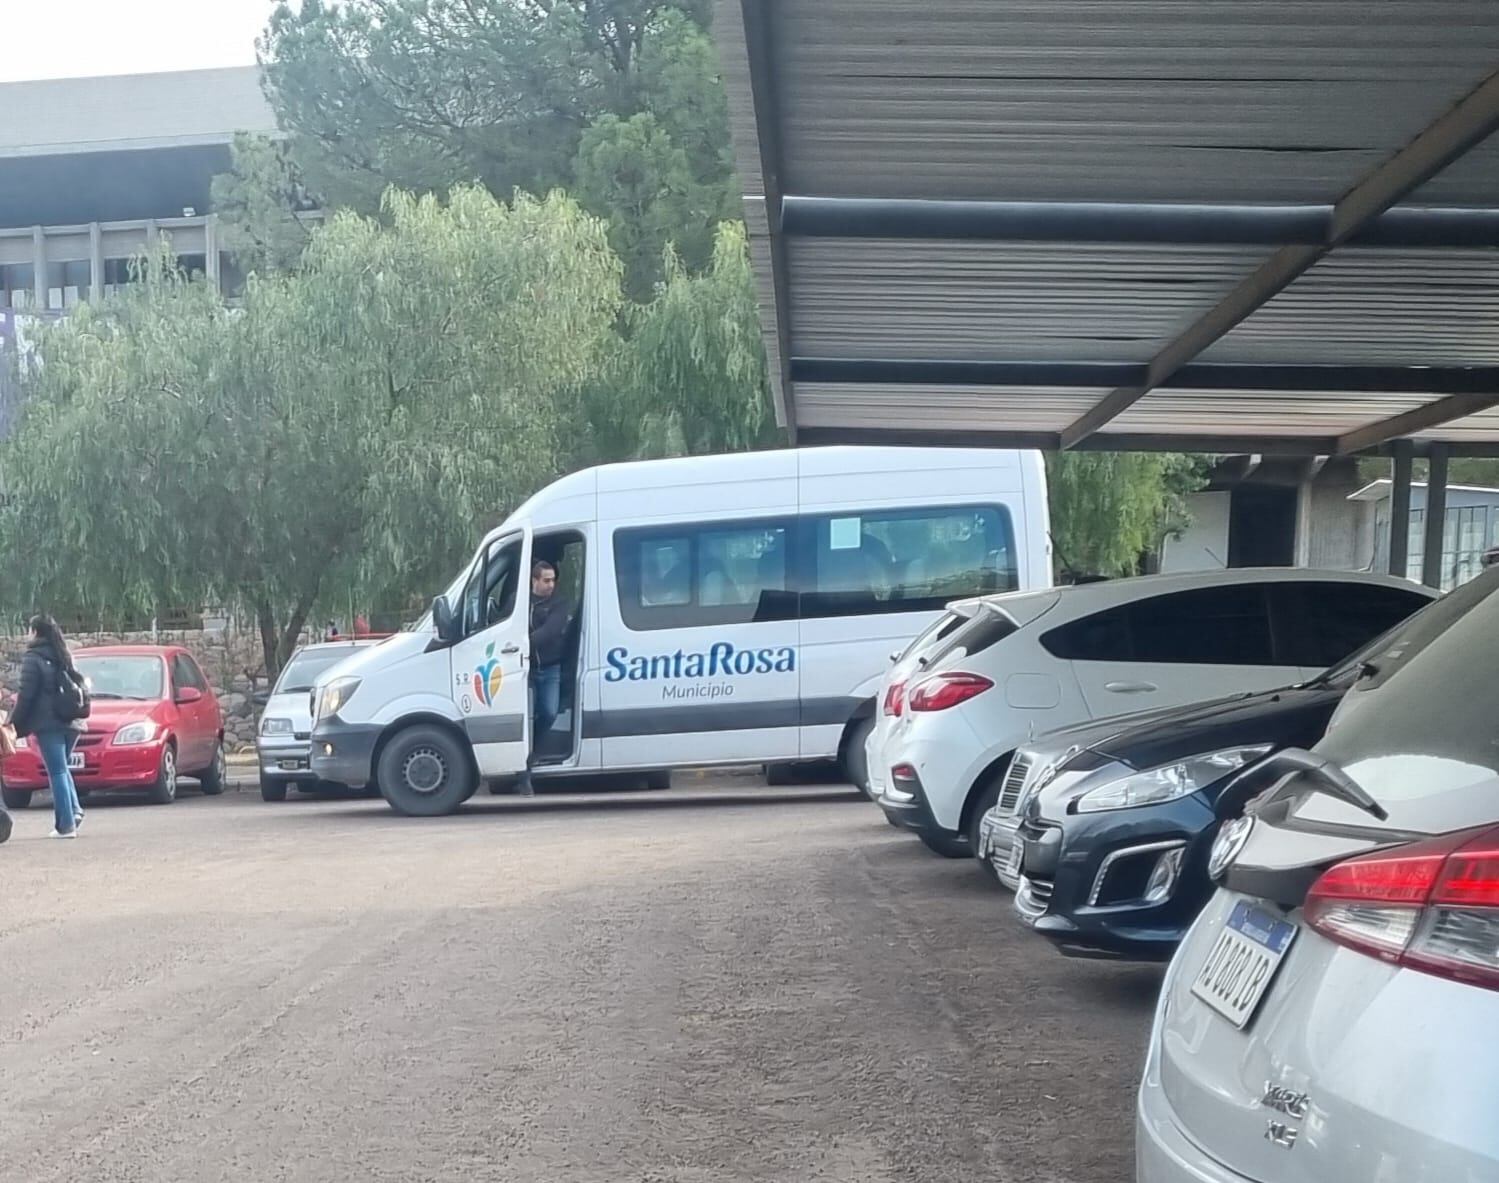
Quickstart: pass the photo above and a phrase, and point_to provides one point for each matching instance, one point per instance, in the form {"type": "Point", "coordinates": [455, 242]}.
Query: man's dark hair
{"type": "Point", "coordinates": [542, 565]}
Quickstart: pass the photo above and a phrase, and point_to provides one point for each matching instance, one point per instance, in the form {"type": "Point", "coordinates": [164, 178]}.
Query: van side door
{"type": "Point", "coordinates": [491, 659]}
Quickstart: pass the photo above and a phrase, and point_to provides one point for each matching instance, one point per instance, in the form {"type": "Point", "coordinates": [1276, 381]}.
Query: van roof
{"type": "Point", "coordinates": [787, 462]}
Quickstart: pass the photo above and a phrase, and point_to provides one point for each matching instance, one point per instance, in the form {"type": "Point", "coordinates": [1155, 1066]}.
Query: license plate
{"type": "Point", "coordinates": [291, 765]}
{"type": "Point", "coordinates": [75, 760]}
{"type": "Point", "coordinates": [1244, 959]}
{"type": "Point", "coordinates": [1017, 856]}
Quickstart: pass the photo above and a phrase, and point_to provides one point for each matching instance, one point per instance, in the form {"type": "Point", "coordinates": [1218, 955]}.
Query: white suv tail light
{"type": "Point", "coordinates": [941, 691]}
{"type": "Point", "coordinates": [1432, 906]}
{"type": "Point", "coordinates": [895, 698]}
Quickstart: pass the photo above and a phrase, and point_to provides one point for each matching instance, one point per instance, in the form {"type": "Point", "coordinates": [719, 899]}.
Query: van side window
{"type": "Point", "coordinates": [870, 562]}
{"type": "Point", "coordinates": [715, 573]}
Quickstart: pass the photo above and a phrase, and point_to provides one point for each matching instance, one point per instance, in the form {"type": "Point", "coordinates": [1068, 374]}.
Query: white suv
{"type": "Point", "coordinates": [1030, 662]}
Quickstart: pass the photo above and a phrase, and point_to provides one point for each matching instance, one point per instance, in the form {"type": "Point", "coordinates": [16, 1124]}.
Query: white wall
{"type": "Point", "coordinates": [1203, 546]}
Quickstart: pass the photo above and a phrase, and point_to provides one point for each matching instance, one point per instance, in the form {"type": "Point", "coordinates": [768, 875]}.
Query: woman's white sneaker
{"type": "Point", "coordinates": [60, 834]}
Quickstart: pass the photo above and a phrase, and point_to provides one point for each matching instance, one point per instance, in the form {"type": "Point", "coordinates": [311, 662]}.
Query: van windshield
{"type": "Point", "coordinates": [1418, 732]}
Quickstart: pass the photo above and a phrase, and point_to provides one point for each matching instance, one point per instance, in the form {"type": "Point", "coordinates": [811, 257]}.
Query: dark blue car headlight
{"type": "Point", "coordinates": [1169, 781]}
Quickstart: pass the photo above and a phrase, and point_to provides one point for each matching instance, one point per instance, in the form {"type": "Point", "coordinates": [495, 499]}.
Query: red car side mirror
{"type": "Point", "coordinates": [188, 695]}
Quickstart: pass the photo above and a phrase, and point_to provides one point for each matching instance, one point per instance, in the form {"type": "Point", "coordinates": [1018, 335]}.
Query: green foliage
{"type": "Point", "coordinates": [1110, 508]}
{"type": "Point", "coordinates": [266, 215]}
{"type": "Point", "coordinates": [346, 427]}
{"type": "Point", "coordinates": [619, 101]}
{"type": "Point", "coordinates": [690, 378]}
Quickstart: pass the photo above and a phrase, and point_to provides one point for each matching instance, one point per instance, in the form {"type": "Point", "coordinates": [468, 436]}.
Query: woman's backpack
{"type": "Point", "coordinates": [72, 695]}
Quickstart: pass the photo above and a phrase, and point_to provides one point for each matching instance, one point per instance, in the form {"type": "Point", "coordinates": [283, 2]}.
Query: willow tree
{"type": "Point", "coordinates": [692, 376]}
{"type": "Point", "coordinates": [345, 427]}
{"type": "Point", "coordinates": [1109, 509]}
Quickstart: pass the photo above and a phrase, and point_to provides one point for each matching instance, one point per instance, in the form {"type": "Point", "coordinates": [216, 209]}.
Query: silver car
{"type": "Point", "coordinates": [283, 742]}
{"type": "Point", "coordinates": [1331, 1015]}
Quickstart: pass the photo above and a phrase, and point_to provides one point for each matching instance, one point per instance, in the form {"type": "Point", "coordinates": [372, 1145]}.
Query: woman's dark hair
{"type": "Point", "coordinates": [46, 628]}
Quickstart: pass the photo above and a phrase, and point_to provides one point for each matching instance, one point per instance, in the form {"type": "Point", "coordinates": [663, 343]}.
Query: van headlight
{"type": "Point", "coordinates": [273, 726]}
{"type": "Point", "coordinates": [1169, 781]}
{"type": "Point", "coordinates": [335, 696]}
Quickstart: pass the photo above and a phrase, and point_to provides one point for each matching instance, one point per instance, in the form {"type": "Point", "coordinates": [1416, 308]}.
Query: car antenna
{"type": "Point", "coordinates": [1072, 572]}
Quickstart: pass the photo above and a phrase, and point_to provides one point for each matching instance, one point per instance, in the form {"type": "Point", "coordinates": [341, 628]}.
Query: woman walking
{"type": "Point", "coordinates": [41, 715]}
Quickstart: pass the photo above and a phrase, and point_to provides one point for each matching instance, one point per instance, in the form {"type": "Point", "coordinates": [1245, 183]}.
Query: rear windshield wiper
{"type": "Point", "coordinates": [1324, 775]}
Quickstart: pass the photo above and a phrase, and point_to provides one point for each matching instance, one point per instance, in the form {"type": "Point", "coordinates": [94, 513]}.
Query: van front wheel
{"type": "Point", "coordinates": [424, 772]}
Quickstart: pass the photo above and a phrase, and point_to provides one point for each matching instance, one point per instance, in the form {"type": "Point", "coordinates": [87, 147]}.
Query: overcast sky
{"type": "Point", "coordinates": [80, 38]}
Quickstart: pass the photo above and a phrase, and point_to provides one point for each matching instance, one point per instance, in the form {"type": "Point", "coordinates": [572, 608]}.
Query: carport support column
{"type": "Point", "coordinates": [1400, 510]}
{"type": "Point", "coordinates": [1436, 516]}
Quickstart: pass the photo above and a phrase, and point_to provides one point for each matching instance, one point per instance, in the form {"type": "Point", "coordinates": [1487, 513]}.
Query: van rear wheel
{"type": "Point", "coordinates": [424, 772]}
{"type": "Point", "coordinates": [855, 760]}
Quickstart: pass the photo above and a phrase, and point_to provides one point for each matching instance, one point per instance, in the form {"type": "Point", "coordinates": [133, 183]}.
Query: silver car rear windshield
{"type": "Point", "coordinates": [1421, 731]}
{"type": "Point", "coordinates": [989, 626]}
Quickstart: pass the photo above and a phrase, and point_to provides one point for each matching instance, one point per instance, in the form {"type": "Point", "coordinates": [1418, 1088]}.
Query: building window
{"type": "Point", "coordinates": [117, 273]}
{"type": "Point", "coordinates": [17, 285]}
{"type": "Point", "coordinates": [67, 283]}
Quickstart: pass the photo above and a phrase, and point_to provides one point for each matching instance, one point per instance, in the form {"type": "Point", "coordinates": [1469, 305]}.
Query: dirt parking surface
{"type": "Point", "coordinates": [723, 982]}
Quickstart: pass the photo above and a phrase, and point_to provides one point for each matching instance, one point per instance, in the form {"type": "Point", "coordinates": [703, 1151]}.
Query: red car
{"type": "Point", "coordinates": [154, 716]}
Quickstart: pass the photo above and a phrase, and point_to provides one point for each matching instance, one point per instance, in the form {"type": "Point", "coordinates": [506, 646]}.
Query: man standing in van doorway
{"type": "Point", "coordinates": [549, 621]}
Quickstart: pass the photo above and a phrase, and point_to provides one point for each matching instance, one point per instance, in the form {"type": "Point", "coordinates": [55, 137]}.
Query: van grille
{"type": "Point", "coordinates": [1009, 792]}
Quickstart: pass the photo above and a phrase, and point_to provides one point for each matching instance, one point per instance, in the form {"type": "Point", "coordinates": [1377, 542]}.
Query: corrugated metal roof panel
{"type": "Point", "coordinates": [1259, 413]}
{"type": "Point", "coordinates": [1367, 307]}
{"type": "Point", "coordinates": [1115, 100]}
{"type": "Point", "coordinates": [881, 298]}
{"type": "Point", "coordinates": [940, 408]}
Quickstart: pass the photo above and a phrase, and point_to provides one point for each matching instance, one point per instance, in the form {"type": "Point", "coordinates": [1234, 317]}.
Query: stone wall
{"type": "Point", "coordinates": [231, 658]}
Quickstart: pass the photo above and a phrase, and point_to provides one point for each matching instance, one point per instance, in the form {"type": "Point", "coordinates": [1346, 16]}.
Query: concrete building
{"type": "Point", "coordinates": [1269, 511]}
{"type": "Point", "coordinates": [93, 170]}
{"type": "Point", "coordinates": [1470, 526]}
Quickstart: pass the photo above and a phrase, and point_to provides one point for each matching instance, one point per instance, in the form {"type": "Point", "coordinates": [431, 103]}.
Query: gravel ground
{"type": "Point", "coordinates": [722, 982]}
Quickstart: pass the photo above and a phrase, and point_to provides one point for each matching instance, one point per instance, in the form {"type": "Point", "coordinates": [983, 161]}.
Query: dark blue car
{"type": "Point", "coordinates": [1115, 840]}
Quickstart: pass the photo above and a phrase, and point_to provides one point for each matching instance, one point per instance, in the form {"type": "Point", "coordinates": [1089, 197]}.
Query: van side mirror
{"type": "Point", "coordinates": [261, 698]}
{"type": "Point", "coordinates": [444, 621]}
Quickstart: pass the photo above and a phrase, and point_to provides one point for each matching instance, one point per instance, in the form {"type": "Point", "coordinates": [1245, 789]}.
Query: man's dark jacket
{"type": "Point", "coordinates": [549, 622]}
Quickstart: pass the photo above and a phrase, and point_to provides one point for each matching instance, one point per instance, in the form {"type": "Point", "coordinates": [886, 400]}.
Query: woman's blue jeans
{"type": "Point", "coordinates": [55, 748]}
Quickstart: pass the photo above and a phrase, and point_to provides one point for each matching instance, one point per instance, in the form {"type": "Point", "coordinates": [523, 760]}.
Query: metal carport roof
{"type": "Point", "coordinates": [1249, 225]}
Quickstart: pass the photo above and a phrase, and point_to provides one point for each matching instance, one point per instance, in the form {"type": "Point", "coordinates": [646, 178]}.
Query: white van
{"type": "Point", "coordinates": [727, 610]}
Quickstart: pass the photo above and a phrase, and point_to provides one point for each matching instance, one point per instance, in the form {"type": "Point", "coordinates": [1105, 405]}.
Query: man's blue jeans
{"type": "Point", "coordinates": [546, 699]}
{"type": "Point", "coordinates": [55, 747]}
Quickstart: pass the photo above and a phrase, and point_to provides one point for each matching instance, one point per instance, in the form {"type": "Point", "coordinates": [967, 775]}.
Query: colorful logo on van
{"type": "Point", "coordinates": [488, 678]}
